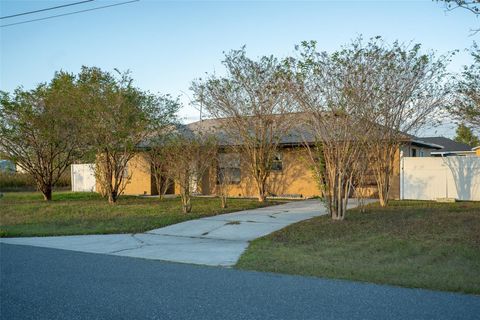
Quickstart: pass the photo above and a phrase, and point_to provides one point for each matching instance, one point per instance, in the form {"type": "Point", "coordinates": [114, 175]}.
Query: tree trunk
{"type": "Point", "coordinates": [158, 184]}
{"type": "Point", "coordinates": [383, 190]}
{"type": "Point", "coordinates": [261, 192]}
{"type": "Point", "coordinates": [112, 197]}
{"type": "Point", "coordinates": [224, 201]}
{"type": "Point", "coordinates": [47, 193]}
{"type": "Point", "coordinates": [166, 185]}
{"type": "Point", "coordinates": [381, 197]}
{"type": "Point", "coordinates": [186, 203]}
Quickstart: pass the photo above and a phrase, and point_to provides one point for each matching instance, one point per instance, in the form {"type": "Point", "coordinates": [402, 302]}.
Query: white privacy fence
{"type": "Point", "coordinates": [83, 177]}
{"type": "Point", "coordinates": [430, 178]}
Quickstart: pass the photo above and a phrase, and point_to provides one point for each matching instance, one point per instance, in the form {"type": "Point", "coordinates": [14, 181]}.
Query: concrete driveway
{"type": "Point", "coordinates": [216, 241]}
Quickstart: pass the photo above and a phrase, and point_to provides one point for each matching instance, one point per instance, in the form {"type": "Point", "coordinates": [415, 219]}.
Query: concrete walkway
{"type": "Point", "coordinates": [215, 241]}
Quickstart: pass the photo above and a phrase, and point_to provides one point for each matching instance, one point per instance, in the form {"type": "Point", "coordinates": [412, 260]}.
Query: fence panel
{"type": "Point", "coordinates": [83, 177]}
{"type": "Point", "coordinates": [430, 178]}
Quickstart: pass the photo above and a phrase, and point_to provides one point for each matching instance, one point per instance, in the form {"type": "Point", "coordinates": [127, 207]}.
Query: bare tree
{"type": "Point", "coordinates": [187, 157]}
{"type": "Point", "coordinates": [376, 94]}
{"type": "Point", "coordinates": [372, 94]}
{"type": "Point", "coordinates": [121, 118]}
{"type": "Point", "coordinates": [156, 157]}
{"type": "Point", "coordinates": [471, 5]}
{"type": "Point", "coordinates": [253, 108]}
{"type": "Point", "coordinates": [155, 152]}
{"type": "Point", "coordinates": [41, 129]}
{"type": "Point", "coordinates": [323, 85]}
{"type": "Point", "coordinates": [406, 88]}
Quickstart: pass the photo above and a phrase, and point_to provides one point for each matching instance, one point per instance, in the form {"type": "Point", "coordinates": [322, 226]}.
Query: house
{"type": "Point", "coordinates": [291, 173]}
{"type": "Point", "coordinates": [477, 151]}
{"type": "Point", "coordinates": [449, 147]}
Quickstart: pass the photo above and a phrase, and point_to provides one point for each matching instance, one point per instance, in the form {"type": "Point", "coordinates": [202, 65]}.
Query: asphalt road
{"type": "Point", "coordinates": [41, 283]}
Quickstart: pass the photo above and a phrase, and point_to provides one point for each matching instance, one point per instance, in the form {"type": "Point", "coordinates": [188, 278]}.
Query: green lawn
{"type": "Point", "coordinates": [26, 214]}
{"type": "Point", "coordinates": [411, 243]}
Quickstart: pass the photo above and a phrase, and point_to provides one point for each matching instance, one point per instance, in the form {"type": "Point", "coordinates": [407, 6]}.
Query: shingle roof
{"type": "Point", "coordinates": [448, 145]}
{"type": "Point", "coordinates": [297, 135]}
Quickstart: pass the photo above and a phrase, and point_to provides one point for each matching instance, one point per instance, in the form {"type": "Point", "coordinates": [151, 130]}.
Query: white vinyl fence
{"type": "Point", "coordinates": [83, 177]}
{"type": "Point", "coordinates": [430, 178]}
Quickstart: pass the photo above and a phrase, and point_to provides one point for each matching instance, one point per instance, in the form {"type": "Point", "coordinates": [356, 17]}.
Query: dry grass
{"type": "Point", "coordinates": [411, 243]}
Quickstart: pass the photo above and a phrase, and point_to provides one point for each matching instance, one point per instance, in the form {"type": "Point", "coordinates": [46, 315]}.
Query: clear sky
{"type": "Point", "coordinates": [166, 44]}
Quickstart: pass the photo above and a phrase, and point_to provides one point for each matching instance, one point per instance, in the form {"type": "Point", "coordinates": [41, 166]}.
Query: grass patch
{"type": "Point", "coordinates": [417, 244]}
{"type": "Point", "coordinates": [18, 181]}
{"type": "Point", "coordinates": [26, 214]}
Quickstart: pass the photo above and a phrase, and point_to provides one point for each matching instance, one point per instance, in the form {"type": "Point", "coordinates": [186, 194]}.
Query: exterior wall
{"type": "Point", "coordinates": [408, 151]}
{"type": "Point", "coordinates": [295, 178]}
{"type": "Point", "coordinates": [141, 179]}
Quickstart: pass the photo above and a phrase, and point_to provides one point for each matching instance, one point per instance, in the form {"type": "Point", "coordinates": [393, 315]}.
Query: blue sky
{"type": "Point", "coordinates": [166, 44]}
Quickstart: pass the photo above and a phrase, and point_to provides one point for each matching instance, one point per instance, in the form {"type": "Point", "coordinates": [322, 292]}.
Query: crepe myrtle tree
{"type": "Point", "coordinates": [253, 108]}
{"type": "Point", "coordinates": [407, 89]}
{"type": "Point", "coordinates": [321, 84]}
{"type": "Point", "coordinates": [392, 89]}
{"type": "Point", "coordinates": [188, 155]}
{"type": "Point", "coordinates": [156, 157]}
{"type": "Point", "coordinates": [121, 116]}
{"type": "Point", "coordinates": [154, 150]}
{"type": "Point", "coordinates": [41, 129]}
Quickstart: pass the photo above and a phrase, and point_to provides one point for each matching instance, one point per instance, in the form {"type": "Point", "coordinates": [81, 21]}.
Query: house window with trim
{"type": "Point", "coordinates": [277, 163]}
{"type": "Point", "coordinates": [228, 170]}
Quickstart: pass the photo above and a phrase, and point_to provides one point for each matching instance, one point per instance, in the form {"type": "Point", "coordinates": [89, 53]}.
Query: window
{"type": "Point", "coordinates": [228, 171]}
{"type": "Point", "coordinates": [277, 164]}
{"type": "Point", "coordinates": [228, 175]}
{"type": "Point", "coordinates": [414, 152]}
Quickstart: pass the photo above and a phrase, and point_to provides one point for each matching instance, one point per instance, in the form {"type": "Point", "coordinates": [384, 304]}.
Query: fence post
{"type": "Point", "coordinates": [401, 175]}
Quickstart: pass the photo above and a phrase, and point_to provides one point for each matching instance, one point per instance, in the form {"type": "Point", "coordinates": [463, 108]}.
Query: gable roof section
{"type": "Point", "coordinates": [448, 145]}
{"type": "Point", "coordinates": [297, 135]}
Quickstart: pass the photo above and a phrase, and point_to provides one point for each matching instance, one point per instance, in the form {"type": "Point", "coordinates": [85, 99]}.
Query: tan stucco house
{"type": "Point", "coordinates": [291, 174]}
